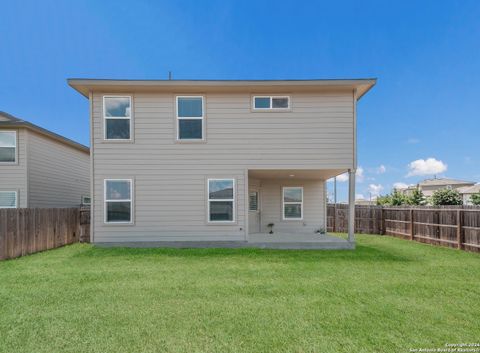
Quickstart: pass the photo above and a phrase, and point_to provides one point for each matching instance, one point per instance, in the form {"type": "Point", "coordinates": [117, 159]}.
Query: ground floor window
{"type": "Point", "coordinates": [292, 203]}
{"type": "Point", "coordinates": [221, 200]}
{"type": "Point", "coordinates": [118, 201]}
{"type": "Point", "coordinates": [8, 199]}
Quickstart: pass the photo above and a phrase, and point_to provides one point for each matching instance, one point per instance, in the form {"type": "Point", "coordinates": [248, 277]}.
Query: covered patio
{"type": "Point", "coordinates": [298, 241]}
{"type": "Point", "coordinates": [286, 209]}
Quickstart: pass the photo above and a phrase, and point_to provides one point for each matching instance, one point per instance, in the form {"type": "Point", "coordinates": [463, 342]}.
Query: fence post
{"type": "Point", "coordinates": [412, 233]}
{"type": "Point", "coordinates": [459, 229]}
{"type": "Point", "coordinates": [382, 222]}
{"type": "Point", "coordinates": [334, 217]}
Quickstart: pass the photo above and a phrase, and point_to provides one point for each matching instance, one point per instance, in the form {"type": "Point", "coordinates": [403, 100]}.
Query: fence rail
{"type": "Point", "coordinates": [453, 226]}
{"type": "Point", "coordinates": [26, 231]}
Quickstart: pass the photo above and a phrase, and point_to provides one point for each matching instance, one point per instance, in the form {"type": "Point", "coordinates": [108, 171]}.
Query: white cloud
{"type": "Point", "coordinates": [413, 141]}
{"type": "Point", "coordinates": [427, 166]}
{"type": "Point", "coordinates": [381, 169]}
{"type": "Point", "coordinates": [375, 189]}
{"type": "Point", "coordinates": [400, 185]}
{"type": "Point", "coordinates": [359, 175]}
{"type": "Point", "coordinates": [344, 177]}
{"type": "Point", "coordinates": [359, 197]}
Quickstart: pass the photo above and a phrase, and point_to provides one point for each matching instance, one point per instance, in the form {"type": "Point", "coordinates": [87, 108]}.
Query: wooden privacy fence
{"type": "Point", "coordinates": [26, 231]}
{"type": "Point", "coordinates": [453, 226]}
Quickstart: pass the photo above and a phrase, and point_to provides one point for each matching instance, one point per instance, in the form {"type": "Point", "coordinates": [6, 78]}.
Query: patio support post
{"type": "Point", "coordinates": [351, 205]}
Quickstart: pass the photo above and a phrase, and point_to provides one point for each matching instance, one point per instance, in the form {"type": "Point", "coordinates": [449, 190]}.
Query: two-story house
{"type": "Point", "coordinates": [219, 163]}
{"type": "Point", "coordinates": [39, 168]}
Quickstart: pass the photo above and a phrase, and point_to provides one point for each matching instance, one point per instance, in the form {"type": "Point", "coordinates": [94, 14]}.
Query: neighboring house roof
{"type": "Point", "coordinates": [10, 121]}
{"type": "Point", "coordinates": [444, 182]}
{"type": "Point", "coordinates": [84, 86]}
{"type": "Point", "coordinates": [469, 189]}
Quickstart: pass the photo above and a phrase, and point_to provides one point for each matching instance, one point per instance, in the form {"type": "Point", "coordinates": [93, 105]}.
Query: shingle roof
{"type": "Point", "coordinates": [470, 189]}
{"type": "Point", "coordinates": [444, 181]}
{"type": "Point", "coordinates": [10, 121]}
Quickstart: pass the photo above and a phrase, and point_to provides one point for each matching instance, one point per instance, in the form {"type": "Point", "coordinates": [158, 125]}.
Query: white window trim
{"type": "Point", "coordinates": [291, 203]}
{"type": "Point", "coordinates": [178, 118]}
{"type": "Point", "coordinates": [271, 103]}
{"type": "Point", "coordinates": [105, 118]}
{"type": "Point", "coordinates": [105, 201]}
{"type": "Point", "coordinates": [16, 146]}
{"type": "Point", "coordinates": [220, 200]}
{"type": "Point", "coordinates": [16, 198]}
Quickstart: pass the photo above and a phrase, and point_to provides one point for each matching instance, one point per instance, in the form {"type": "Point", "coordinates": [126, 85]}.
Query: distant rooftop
{"type": "Point", "coordinates": [470, 189]}
{"type": "Point", "coordinates": [10, 121]}
{"type": "Point", "coordinates": [444, 181]}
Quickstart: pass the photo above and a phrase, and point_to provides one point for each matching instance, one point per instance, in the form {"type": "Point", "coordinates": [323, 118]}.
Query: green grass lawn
{"type": "Point", "coordinates": [389, 295]}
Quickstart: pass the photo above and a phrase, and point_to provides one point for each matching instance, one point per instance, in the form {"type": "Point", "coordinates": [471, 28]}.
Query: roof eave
{"type": "Point", "coordinates": [85, 86]}
{"type": "Point", "coordinates": [27, 125]}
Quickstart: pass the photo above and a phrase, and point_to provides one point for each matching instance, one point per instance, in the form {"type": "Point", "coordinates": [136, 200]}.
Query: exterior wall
{"type": "Point", "coordinates": [467, 199]}
{"type": "Point", "coordinates": [170, 177]}
{"type": "Point", "coordinates": [13, 177]}
{"type": "Point", "coordinates": [271, 206]}
{"type": "Point", "coordinates": [429, 190]}
{"type": "Point", "coordinates": [58, 175]}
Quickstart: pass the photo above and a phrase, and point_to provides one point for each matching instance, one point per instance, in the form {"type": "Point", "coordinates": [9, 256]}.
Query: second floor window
{"type": "Point", "coordinates": [271, 103]}
{"type": "Point", "coordinates": [8, 146]}
{"type": "Point", "coordinates": [117, 117]}
{"type": "Point", "coordinates": [190, 118]}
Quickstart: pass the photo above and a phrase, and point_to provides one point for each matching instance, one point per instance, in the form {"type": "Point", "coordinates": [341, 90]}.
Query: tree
{"type": "Point", "coordinates": [398, 198]}
{"type": "Point", "coordinates": [446, 197]}
{"type": "Point", "coordinates": [417, 198]}
{"type": "Point", "coordinates": [475, 198]}
{"type": "Point", "coordinates": [384, 200]}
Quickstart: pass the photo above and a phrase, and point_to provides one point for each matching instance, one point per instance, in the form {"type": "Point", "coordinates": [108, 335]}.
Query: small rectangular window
{"type": "Point", "coordinates": [117, 117]}
{"type": "Point", "coordinates": [190, 117]}
{"type": "Point", "coordinates": [292, 203]}
{"type": "Point", "coordinates": [8, 146]}
{"type": "Point", "coordinates": [86, 200]}
{"type": "Point", "coordinates": [271, 102]}
{"type": "Point", "coordinates": [8, 199]}
{"type": "Point", "coordinates": [280, 103]}
{"type": "Point", "coordinates": [221, 200]}
{"type": "Point", "coordinates": [253, 201]}
{"type": "Point", "coordinates": [118, 201]}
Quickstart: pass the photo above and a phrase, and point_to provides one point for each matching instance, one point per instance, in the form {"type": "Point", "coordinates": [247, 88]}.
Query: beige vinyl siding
{"type": "Point", "coordinates": [58, 174]}
{"type": "Point", "coordinates": [313, 206]}
{"type": "Point", "coordinates": [170, 178]}
{"type": "Point", "coordinates": [13, 177]}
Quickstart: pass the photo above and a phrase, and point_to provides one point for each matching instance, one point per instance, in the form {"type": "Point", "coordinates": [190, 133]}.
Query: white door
{"type": "Point", "coordinates": [254, 211]}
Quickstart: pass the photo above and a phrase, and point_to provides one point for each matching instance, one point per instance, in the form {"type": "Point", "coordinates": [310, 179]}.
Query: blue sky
{"type": "Point", "coordinates": [425, 54]}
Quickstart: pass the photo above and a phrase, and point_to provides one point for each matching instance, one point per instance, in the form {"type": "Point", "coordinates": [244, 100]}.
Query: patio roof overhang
{"type": "Point", "coordinates": [306, 174]}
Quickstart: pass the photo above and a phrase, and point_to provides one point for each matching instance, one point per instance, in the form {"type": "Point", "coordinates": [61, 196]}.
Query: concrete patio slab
{"type": "Point", "coordinates": [258, 240]}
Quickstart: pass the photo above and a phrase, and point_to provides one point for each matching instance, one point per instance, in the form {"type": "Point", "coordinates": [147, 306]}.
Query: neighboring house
{"type": "Point", "coordinates": [217, 161]}
{"type": "Point", "coordinates": [467, 192]}
{"type": "Point", "coordinates": [39, 168]}
{"type": "Point", "coordinates": [429, 186]}
{"type": "Point", "coordinates": [364, 202]}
